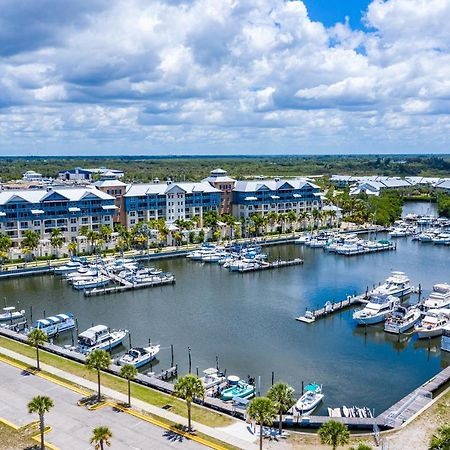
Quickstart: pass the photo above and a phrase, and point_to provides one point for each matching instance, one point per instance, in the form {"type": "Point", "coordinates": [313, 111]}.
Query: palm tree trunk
{"type": "Point", "coordinates": [37, 358]}
{"type": "Point", "coordinates": [260, 435]}
{"type": "Point", "coordinates": [280, 424]}
{"type": "Point", "coordinates": [189, 415]}
{"type": "Point", "coordinates": [41, 429]}
{"type": "Point", "coordinates": [98, 383]}
{"type": "Point", "coordinates": [129, 393]}
{"type": "Point", "coordinates": [101, 444]}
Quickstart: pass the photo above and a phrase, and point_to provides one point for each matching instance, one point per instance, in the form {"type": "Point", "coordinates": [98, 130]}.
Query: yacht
{"type": "Point", "coordinates": [433, 323]}
{"type": "Point", "coordinates": [240, 389]}
{"type": "Point", "coordinates": [54, 325]}
{"type": "Point", "coordinates": [310, 400]}
{"type": "Point", "coordinates": [303, 239]}
{"type": "Point", "coordinates": [212, 377]}
{"type": "Point", "coordinates": [402, 319]}
{"type": "Point", "coordinates": [91, 282]}
{"type": "Point", "coordinates": [442, 239]}
{"type": "Point", "coordinates": [9, 314]}
{"type": "Point", "coordinates": [71, 266]}
{"type": "Point", "coordinates": [99, 337]}
{"type": "Point", "coordinates": [439, 298]}
{"type": "Point", "coordinates": [139, 356]}
{"type": "Point", "coordinates": [376, 310]}
{"type": "Point", "coordinates": [397, 284]}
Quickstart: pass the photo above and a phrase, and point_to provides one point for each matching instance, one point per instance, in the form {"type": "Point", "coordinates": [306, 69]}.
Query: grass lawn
{"type": "Point", "coordinates": [11, 439]}
{"type": "Point", "coordinates": [199, 414]}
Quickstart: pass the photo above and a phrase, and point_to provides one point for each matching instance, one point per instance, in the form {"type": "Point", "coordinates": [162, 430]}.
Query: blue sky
{"type": "Point", "coordinates": [224, 77]}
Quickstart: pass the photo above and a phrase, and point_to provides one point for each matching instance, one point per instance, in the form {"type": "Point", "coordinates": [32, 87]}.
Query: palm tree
{"type": "Point", "coordinates": [282, 396]}
{"type": "Point", "coordinates": [105, 232]}
{"type": "Point", "coordinates": [334, 433]}
{"type": "Point", "coordinates": [40, 405]}
{"type": "Point", "coordinates": [441, 440]}
{"type": "Point", "coordinates": [128, 372]}
{"type": "Point", "coordinates": [187, 388]}
{"type": "Point", "coordinates": [5, 245]}
{"type": "Point", "coordinates": [72, 247]}
{"type": "Point", "coordinates": [291, 218]}
{"type": "Point", "coordinates": [35, 338]}
{"type": "Point", "coordinates": [316, 217]}
{"type": "Point", "coordinates": [98, 360]}
{"type": "Point", "coordinates": [30, 241]}
{"type": "Point", "coordinates": [262, 411]}
{"type": "Point", "coordinates": [101, 436]}
{"type": "Point", "coordinates": [56, 239]}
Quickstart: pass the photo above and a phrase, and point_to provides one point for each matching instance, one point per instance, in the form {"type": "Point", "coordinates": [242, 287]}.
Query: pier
{"type": "Point", "coordinates": [331, 308]}
{"type": "Point", "coordinates": [270, 265]}
{"type": "Point", "coordinates": [128, 287]}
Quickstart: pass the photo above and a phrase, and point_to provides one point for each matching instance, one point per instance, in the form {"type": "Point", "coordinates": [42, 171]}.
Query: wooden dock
{"type": "Point", "coordinates": [130, 286]}
{"type": "Point", "coordinates": [331, 308]}
{"type": "Point", "coordinates": [271, 265]}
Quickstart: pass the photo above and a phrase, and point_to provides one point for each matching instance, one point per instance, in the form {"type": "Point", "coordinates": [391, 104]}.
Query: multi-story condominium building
{"type": "Point", "coordinates": [219, 179]}
{"type": "Point", "coordinates": [280, 196]}
{"type": "Point", "coordinates": [170, 201]}
{"type": "Point", "coordinates": [117, 189]}
{"type": "Point", "coordinates": [80, 174]}
{"type": "Point", "coordinates": [43, 210]}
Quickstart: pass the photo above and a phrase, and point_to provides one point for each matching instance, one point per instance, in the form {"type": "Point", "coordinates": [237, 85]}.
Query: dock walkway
{"type": "Point", "coordinates": [331, 308]}
{"type": "Point", "coordinates": [128, 287]}
{"type": "Point", "coordinates": [271, 265]}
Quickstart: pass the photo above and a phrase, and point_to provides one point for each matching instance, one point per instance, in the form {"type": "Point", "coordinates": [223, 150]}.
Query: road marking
{"type": "Point", "coordinates": [131, 412]}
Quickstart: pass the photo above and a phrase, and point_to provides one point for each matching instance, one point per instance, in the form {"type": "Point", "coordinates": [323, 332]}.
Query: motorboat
{"type": "Point", "coordinates": [100, 337]}
{"type": "Point", "coordinates": [10, 314]}
{"type": "Point", "coordinates": [243, 264]}
{"type": "Point", "coordinates": [426, 237]}
{"type": "Point", "coordinates": [310, 399]}
{"type": "Point", "coordinates": [442, 239]}
{"type": "Point", "coordinates": [139, 356]}
{"type": "Point", "coordinates": [398, 285]}
{"type": "Point", "coordinates": [81, 274]}
{"type": "Point", "coordinates": [212, 377]}
{"type": "Point", "coordinates": [92, 282]}
{"type": "Point", "coordinates": [71, 266]}
{"type": "Point", "coordinates": [376, 310]}
{"type": "Point", "coordinates": [439, 298]}
{"type": "Point", "coordinates": [433, 323]}
{"type": "Point", "coordinates": [238, 388]}
{"type": "Point", "coordinates": [302, 240]}
{"type": "Point", "coordinates": [55, 325]}
{"type": "Point", "coordinates": [402, 319]}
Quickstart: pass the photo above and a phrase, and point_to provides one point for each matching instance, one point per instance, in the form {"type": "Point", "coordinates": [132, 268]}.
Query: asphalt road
{"type": "Point", "coordinates": [71, 424]}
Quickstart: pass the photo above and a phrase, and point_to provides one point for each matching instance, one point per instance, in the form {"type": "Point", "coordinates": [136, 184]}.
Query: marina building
{"type": "Point", "coordinates": [170, 201]}
{"type": "Point", "coordinates": [80, 174]}
{"type": "Point", "coordinates": [219, 179]}
{"type": "Point", "coordinates": [275, 195]}
{"type": "Point", "coordinates": [43, 210]}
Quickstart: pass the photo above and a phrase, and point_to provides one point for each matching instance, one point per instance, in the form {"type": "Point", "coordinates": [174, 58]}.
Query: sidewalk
{"type": "Point", "coordinates": [240, 436]}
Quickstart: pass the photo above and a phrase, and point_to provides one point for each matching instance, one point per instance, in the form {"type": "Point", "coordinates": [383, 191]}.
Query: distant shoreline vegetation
{"type": "Point", "coordinates": [144, 168]}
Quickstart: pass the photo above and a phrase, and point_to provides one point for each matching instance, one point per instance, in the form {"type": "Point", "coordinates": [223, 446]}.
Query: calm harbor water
{"type": "Point", "coordinates": [248, 320]}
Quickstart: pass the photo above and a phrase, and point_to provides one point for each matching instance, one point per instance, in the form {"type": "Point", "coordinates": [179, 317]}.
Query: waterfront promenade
{"type": "Point", "coordinates": [239, 435]}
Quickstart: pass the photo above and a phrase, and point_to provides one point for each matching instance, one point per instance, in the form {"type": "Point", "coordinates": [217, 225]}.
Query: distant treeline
{"type": "Point", "coordinates": [146, 168]}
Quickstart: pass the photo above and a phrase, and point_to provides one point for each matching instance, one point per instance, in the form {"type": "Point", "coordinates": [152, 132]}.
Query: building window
{"type": "Point", "coordinates": [73, 229]}
{"type": "Point", "coordinates": [73, 220]}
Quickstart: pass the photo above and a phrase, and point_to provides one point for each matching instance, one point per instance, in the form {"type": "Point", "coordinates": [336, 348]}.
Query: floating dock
{"type": "Point", "coordinates": [331, 308]}
{"type": "Point", "coordinates": [271, 265]}
{"type": "Point", "coordinates": [128, 287]}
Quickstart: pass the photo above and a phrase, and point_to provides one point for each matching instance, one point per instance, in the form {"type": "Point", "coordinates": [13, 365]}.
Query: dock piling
{"type": "Point", "coordinates": [171, 351]}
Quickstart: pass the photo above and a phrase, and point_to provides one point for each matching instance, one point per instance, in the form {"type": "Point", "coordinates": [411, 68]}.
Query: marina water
{"type": "Point", "coordinates": [248, 320]}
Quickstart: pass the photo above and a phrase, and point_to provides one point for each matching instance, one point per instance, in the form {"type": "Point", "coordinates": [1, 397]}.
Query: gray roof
{"type": "Point", "coordinates": [38, 195]}
{"type": "Point", "coordinates": [139, 190]}
{"type": "Point", "coordinates": [272, 185]}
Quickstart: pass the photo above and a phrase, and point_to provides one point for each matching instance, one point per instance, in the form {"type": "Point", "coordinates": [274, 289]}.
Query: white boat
{"type": "Point", "coordinates": [310, 400]}
{"type": "Point", "coordinates": [212, 377]}
{"type": "Point", "coordinates": [376, 310]}
{"type": "Point", "coordinates": [71, 266]}
{"type": "Point", "coordinates": [242, 265]}
{"type": "Point", "coordinates": [439, 298]}
{"type": "Point", "coordinates": [398, 285]}
{"type": "Point", "coordinates": [426, 237]}
{"type": "Point", "coordinates": [433, 323]}
{"type": "Point", "coordinates": [399, 232]}
{"type": "Point", "coordinates": [302, 240]}
{"type": "Point", "coordinates": [99, 337]}
{"type": "Point", "coordinates": [10, 314]}
{"type": "Point", "coordinates": [55, 324]}
{"type": "Point", "coordinates": [402, 319]}
{"type": "Point", "coordinates": [442, 239]}
{"type": "Point", "coordinates": [91, 282]}
{"type": "Point", "coordinates": [139, 356]}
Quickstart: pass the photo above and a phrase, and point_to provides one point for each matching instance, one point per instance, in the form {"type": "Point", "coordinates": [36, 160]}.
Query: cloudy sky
{"type": "Point", "coordinates": [224, 76]}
